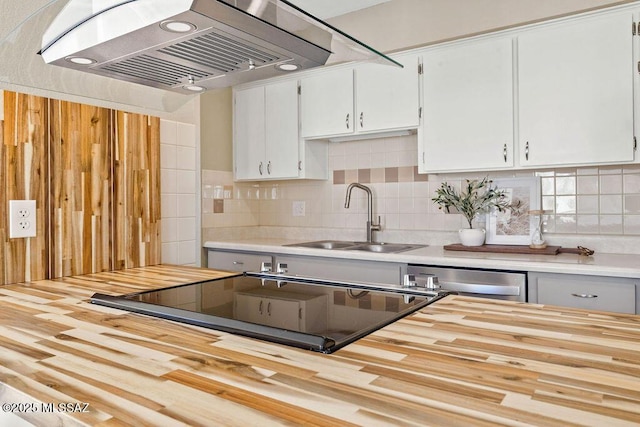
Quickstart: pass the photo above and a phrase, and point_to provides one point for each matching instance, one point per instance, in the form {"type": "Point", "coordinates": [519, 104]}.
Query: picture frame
{"type": "Point", "coordinates": [514, 226]}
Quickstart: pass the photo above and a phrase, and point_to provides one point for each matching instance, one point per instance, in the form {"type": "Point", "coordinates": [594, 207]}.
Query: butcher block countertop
{"type": "Point", "coordinates": [461, 361]}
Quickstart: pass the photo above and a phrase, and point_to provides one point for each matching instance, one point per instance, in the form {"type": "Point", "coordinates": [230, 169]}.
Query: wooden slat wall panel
{"type": "Point", "coordinates": [95, 176]}
{"type": "Point", "coordinates": [23, 160]}
{"type": "Point", "coordinates": [81, 189]}
{"type": "Point", "coordinates": [137, 191]}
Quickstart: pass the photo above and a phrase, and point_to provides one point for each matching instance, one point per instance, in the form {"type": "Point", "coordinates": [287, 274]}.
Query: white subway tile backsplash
{"type": "Point", "coordinates": [168, 132]}
{"type": "Point", "coordinates": [178, 187]}
{"type": "Point", "coordinates": [588, 204]}
{"type": "Point", "coordinates": [186, 135]}
{"type": "Point", "coordinates": [632, 204]}
{"type": "Point", "coordinates": [186, 205]}
{"type": "Point", "coordinates": [186, 228]}
{"type": "Point", "coordinates": [187, 252]}
{"type": "Point", "coordinates": [186, 182]}
{"type": "Point", "coordinates": [170, 253]}
{"type": "Point", "coordinates": [611, 224]}
{"type": "Point", "coordinates": [169, 229]}
{"type": "Point", "coordinates": [566, 185]}
{"type": "Point", "coordinates": [631, 183]}
{"type": "Point", "coordinates": [611, 204]}
{"type": "Point", "coordinates": [588, 184]}
{"type": "Point", "coordinates": [589, 200]}
{"type": "Point", "coordinates": [167, 156]}
{"type": "Point", "coordinates": [168, 181]}
{"type": "Point", "coordinates": [610, 184]}
{"type": "Point", "coordinates": [169, 206]}
{"type": "Point", "coordinates": [186, 158]}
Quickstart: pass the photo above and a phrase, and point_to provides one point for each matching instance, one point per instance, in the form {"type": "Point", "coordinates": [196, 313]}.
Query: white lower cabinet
{"type": "Point", "coordinates": [587, 292]}
{"type": "Point", "coordinates": [290, 310]}
{"type": "Point", "coordinates": [236, 261]}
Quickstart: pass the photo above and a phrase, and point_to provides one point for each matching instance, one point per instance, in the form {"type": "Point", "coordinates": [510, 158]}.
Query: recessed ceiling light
{"type": "Point", "coordinates": [80, 60]}
{"type": "Point", "coordinates": [287, 67]}
{"type": "Point", "coordinates": [193, 88]}
{"type": "Point", "coordinates": [177, 26]}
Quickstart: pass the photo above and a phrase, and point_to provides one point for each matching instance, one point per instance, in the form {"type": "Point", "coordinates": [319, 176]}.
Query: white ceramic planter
{"type": "Point", "coordinates": [471, 236]}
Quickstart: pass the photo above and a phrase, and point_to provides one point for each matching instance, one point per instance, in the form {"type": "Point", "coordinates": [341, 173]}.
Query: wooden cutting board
{"type": "Point", "coordinates": [505, 249]}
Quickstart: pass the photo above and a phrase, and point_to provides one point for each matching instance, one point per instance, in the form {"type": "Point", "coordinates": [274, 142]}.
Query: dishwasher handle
{"type": "Point", "coordinates": [480, 288]}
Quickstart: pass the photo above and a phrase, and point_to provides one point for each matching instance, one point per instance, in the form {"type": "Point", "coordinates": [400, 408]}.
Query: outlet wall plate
{"type": "Point", "coordinates": [22, 218]}
{"type": "Point", "coordinates": [298, 208]}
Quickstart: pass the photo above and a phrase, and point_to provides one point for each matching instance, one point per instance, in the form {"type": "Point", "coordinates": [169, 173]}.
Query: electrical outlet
{"type": "Point", "coordinates": [298, 208]}
{"type": "Point", "coordinates": [22, 218]}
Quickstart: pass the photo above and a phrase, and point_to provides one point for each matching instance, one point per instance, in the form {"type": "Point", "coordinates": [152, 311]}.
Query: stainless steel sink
{"type": "Point", "coordinates": [358, 246]}
{"type": "Point", "coordinates": [326, 244]}
{"type": "Point", "coordinates": [384, 247]}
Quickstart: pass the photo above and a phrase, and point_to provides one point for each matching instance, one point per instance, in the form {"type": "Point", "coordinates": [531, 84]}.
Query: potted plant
{"type": "Point", "coordinates": [477, 196]}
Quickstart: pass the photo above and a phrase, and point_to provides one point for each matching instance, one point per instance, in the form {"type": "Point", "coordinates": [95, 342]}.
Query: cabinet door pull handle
{"type": "Point", "coordinates": [269, 309]}
{"type": "Point", "coordinates": [300, 313]}
{"type": "Point", "coordinates": [526, 151]}
{"type": "Point", "coordinates": [299, 165]}
{"type": "Point", "coordinates": [260, 168]}
{"type": "Point", "coordinates": [269, 168]}
{"type": "Point", "coordinates": [585, 295]}
{"type": "Point", "coordinates": [347, 121]}
{"type": "Point", "coordinates": [238, 263]}
{"type": "Point", "coordinates": [361, 119]}
{"type": "Point", "coordinates": [260, 307]}
{"type": "Point", "coordinates": [504, 153]}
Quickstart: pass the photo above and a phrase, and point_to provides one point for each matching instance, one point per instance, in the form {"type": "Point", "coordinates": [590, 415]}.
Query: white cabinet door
{"type": "Point", "coordinates": [576, 92]}
{"type": "Point", "coordinates": [388, 97]}
{"type": "Point", "coordinates": [281, 313]}
{"type": "Point", "coordinates": [281, 130]}
{"type": "Point", "coordinates": [249, 138]}
{"type": "Point", "coordinates": [249, 308]}
{"type": "Point", "coordinates": [266, 131]}
{"type": "Point", "coordinates": [326, 103]}
{"type": "Point", "coordinates": [468, 107]}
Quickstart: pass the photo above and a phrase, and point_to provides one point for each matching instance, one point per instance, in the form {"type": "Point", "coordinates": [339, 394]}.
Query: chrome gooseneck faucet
{"type": "Point", "coordinates": [371, 227]}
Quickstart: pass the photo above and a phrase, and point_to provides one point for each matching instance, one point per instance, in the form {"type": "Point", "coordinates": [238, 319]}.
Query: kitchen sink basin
{"type": "Point", "coordinates": [358, 246]}
{"type": "Point", "coordinates": [326, 244]}
{"type": "Point", "coordinates": [384, 248]}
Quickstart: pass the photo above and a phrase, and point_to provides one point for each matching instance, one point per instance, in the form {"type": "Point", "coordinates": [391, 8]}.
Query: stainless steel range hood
{"type": "Point", "coordinates": [193, 45]}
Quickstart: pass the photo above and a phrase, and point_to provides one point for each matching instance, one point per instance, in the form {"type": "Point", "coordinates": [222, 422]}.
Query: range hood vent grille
{"type": "Point", "coordinates": [147, 67]}
{"type": "Point", "coordinates": [221, 52]}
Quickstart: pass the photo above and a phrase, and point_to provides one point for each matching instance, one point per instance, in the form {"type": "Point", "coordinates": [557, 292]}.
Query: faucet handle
{"type": "Point", "coordinates": [376, 227]}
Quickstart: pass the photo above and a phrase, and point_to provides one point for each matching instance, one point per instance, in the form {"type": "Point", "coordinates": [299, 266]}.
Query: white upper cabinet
{"type": "Point", "coordinates": [249, 133]}
{"type": "Point", "coordinates": [575, 84]}
{"type": "Point", "coordinates": [327, 103]}
{"type": "Point", "coordinates": [281, 136]}
{"type": "Point", "coordinates": [266, 131]}
{"type": "Point", "coordinates": [468, 107]}
{"type": "Point", "coordinates": [266, 136]}
{"type": "Point", "coordinates": [368, 98]}
{"type": "Point", "coordinates": [387, 97]}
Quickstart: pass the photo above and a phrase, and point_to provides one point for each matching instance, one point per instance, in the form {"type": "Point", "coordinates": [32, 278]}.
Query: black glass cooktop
{"type": "Point", "coordinates": [306, 313]}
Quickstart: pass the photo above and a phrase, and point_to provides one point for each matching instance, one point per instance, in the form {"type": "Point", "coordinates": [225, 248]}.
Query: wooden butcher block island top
{"type": "Point", "coordinates": [460, 361]}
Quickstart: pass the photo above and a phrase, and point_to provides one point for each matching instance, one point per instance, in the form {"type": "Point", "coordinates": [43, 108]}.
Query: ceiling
{"type": "Point", "coordinates": [325, 9]}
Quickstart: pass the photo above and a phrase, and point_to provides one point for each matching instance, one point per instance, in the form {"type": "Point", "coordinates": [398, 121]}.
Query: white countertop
{"type": "Point", "coordinates": [616, 265]}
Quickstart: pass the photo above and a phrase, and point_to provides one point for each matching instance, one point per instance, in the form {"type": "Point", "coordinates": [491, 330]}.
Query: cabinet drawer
{"type": "Point", "coordinates": [588, 293]}
{"type": "Point", "coordinates": [235, 261]}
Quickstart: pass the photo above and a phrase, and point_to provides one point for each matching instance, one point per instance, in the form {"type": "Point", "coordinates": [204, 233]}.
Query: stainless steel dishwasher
{"type": "Point", "coordinates": [484, 283]}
